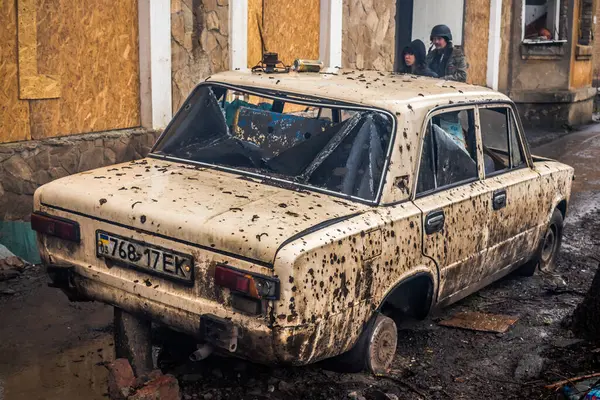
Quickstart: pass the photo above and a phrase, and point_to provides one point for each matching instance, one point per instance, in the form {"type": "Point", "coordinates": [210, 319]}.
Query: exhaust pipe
{"type": "Point", "coordinates": [203, 351]}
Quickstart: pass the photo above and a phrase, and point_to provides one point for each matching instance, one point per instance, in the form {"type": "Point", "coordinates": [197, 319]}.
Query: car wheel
{"type": "Point", "coordinates": [374, 349]}
{"type": "Point", "coordinates": [546, 255]}
{"type": "Point", "coordinates": [551, 242]}
{"type": "Point", "coordinates": [382, 345]}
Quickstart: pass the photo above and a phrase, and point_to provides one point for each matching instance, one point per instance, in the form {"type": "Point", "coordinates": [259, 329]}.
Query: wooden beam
{"type": "Point", "coordinates": [31, 84]}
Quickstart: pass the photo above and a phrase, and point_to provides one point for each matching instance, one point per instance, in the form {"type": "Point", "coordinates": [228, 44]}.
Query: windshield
{"type": "Point", "coordinates": [342, 150]}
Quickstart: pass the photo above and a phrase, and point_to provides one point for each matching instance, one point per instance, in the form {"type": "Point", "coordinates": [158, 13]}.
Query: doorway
{"type": "Point", "coordinates": [414, 20]}
{"type": "Point", "coordinates": [404, 27]}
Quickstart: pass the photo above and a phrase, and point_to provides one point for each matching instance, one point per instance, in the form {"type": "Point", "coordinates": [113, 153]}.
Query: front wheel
{"type": "Point", "coordinates": [545, 259]}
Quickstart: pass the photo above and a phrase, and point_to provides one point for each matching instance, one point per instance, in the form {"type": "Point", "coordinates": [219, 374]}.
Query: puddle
{"type": "Point", "coordinates": [74, 373]}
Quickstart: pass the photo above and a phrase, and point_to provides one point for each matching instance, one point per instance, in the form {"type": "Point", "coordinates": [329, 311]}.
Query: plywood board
{"type": "Point", "coordinates": [505, 51]}
{"type": "Point", "coordinates": [255, 22]}
{"type": "Point", "coordinates": [581, 70]}
{"type": "Point", "coordinates": [31, 84]}
{"type": "Point", "coordinates": [475, 40]}
{"type": "Point", "coordinates": [14, 113]}
{"type": "Point", "coordinates": [92, 46]}
{"type": "Point", "coordinates": [292, 29]}
{"type": "Point", "coordinates": [482, 322]}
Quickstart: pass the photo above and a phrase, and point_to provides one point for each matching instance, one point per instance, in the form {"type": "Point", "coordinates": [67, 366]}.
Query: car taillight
{"type": "Point", "coordinates": [55, 226]}
{"type": "Point", "coordinates": [251, 285]}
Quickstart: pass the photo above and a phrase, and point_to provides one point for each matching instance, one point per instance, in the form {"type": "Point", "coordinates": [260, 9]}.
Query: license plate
{"type": "Point", "coordinates": [148, 258]}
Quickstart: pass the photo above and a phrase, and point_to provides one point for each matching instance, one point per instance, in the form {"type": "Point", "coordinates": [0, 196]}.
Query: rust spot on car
{"type": "Point", "coordinates": [102, 201]}
{"type": "Point", "coordinates": [134, 204]}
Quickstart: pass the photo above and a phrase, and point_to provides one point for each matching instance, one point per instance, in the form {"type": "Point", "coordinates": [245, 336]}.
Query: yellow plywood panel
{"type": "Point", "coordinates": [506, 45]}
{"type": "Point", "coordinates": [92, 46]}
{"type": "Point", "coordinates": [581, 75]}
{"type": "Point", "coordinates": [14, 113]}
{"type": "Point", "coordinates": [38, 87]}
{"type": "Point", "coordinates": [582, 69]}
{"type": "Point", "coordinates": [31, 84]}
{"type": "Point", "coordinates": [292, 29]}
{"type": "Point", "coordinates": [476, 35]}
{"type": "Point", "coordinates": [255, 16]}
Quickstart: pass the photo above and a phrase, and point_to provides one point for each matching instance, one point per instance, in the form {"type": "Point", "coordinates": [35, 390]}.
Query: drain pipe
{"type": "Point", "coordinates": [203, 351]}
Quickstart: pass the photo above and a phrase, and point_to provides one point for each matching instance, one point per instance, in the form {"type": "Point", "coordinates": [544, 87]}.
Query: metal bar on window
{"type": "Point", "coordinates": [433, 154]}
{"type": "Point", "coordinates": [509, 129]}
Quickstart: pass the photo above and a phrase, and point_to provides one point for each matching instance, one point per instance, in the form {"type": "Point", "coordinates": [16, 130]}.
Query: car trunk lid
{"type": "Point", "coordinates": [220, 211]}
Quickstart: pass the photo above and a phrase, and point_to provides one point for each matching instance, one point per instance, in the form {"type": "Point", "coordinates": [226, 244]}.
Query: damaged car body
{"type": "Point", "coordinates": [292, 218]}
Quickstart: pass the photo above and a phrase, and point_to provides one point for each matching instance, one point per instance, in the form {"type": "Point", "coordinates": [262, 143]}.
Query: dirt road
{"type": "Point", "coordinates": [52, 349]}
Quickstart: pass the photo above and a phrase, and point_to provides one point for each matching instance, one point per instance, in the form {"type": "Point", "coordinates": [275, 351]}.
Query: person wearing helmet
{"type": "Point", "coordinates": [414, 60]}
{"type": "Point", "coordinates": [446, 60]}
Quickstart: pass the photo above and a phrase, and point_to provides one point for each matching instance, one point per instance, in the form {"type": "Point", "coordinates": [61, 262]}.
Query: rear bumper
{"type": "Point", "coordinates": [247, 337]}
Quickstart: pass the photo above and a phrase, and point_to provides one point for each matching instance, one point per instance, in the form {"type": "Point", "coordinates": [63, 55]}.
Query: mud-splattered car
{"type": "Point", "coordinates": [291, 218]}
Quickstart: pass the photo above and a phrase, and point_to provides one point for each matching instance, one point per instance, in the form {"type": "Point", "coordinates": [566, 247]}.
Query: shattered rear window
{"type": "Point", "coordinates": [338, 149]}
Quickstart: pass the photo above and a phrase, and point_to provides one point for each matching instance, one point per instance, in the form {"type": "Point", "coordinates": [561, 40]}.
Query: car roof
{"type": "Point", "coordinates": [368, 88]}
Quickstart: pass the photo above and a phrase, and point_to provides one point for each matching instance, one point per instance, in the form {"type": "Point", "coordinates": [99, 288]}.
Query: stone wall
{"type": "Point", "coordinates": [24, 166]}
{"type": "Point", "coordinates": [368, 30]}
{"type": "Point", "coordinates": [199, 43]}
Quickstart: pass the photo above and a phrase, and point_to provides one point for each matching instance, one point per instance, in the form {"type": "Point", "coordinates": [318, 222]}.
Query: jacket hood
{"type": "Point", "coordinates": [417, 47]}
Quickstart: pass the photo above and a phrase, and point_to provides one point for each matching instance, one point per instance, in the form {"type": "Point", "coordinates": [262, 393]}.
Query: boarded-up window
{"type": "Point", "coordinates": [290, 29]}
{"type": "Point", "coordinates": [68, 67]}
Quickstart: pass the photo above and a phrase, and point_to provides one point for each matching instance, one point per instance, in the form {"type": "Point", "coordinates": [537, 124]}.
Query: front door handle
{"type": "Point", "coordinates": [434, 222]}
{"type": "Point", "coordinates": [499, 199]}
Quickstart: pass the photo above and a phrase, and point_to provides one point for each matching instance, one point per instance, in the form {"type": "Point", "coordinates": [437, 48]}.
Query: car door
{"type": "Point", "coordinates": [515, 187]}
{"type": "Point", "coordinates": [453, 200]}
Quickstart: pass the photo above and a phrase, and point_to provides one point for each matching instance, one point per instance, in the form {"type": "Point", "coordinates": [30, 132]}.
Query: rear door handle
{"type": "Point", "coordinates": [434, 222]}
{"type": "Point", "coordinates": [499, 199]}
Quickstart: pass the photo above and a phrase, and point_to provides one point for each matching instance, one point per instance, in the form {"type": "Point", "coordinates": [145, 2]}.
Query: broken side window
{"type": "Point", "coordinates": [426, 181]}
{"type": "Point", "coordinates": [494, 135]}
{"type": "Point", "coordinates": [502, 149]}
{"type": "Point", "coordinates": [335, 148]}
{"type": "Point", "coordinates": [449, 153]}
{"type": "Point", "coordinates": [517, 153]}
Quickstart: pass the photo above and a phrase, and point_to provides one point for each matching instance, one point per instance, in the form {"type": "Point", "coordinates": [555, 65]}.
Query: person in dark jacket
{"type": "Point", "coordinates": [414, 60]}
{"type": "Point", "coordinates": [446, 60]}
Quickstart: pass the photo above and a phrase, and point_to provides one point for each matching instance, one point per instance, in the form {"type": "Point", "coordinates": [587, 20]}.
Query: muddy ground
{"type": "Point", "coordinates": [437, 362]}
{"type": "Point", "coordinates": [53, 349]}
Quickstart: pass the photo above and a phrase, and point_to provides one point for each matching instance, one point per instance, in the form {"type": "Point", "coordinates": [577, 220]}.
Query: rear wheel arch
{"type": "Point", "coordinates": [412, 296]}
{"type": "Point", "coordinates": [562, 207]}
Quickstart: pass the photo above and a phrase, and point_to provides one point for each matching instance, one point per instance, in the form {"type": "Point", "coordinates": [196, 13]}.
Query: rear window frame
{"type": "Point", "coordinates": [524, 145]}
{"type": "Point", "coordinates": [298, 99]}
